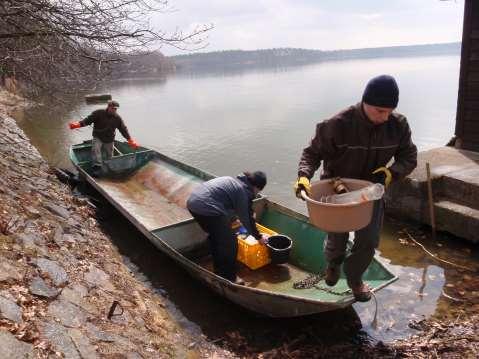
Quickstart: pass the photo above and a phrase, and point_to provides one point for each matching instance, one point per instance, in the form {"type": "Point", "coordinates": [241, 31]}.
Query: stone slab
{"type": "Point", "coordinates": [56, 273]}
{"type": "Point", "coordinates": [76, 297]}
{"type": "Point", "coordinates": [462, 186]}
{"type": "Point", "coordinates": [455, 184]}
{"type": "Point", "coordinates": [99, 335]}
{"type": "Point", "coordinates": [97, 277]}
{"type": "Point", "coordinates": [461, 220]}
{"type": "Point", "coordinates": [57, 210]}
{"type": "Point", "coordinates": [443, 160]}
{"type": "Point", "coordinates": [83, 345]}
{"type": "Point", "coordinates": [10, 310]}
{"type": "Point", "coordinates": [67, 313]}
{"type": "Point", "coordinates": [39, 288]}
{"type": "Point", "coordinates": [59, 337]}
{"type": "Point", "coordinates": [12, 348]}
{"type": "Point", "coordinates": [10, 270]}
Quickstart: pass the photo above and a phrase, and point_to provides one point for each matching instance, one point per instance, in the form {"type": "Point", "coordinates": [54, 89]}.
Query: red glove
{"type": "Point", "coordinates": [133, 143]}
{"type": "Point", "coordinates": [74, 125]}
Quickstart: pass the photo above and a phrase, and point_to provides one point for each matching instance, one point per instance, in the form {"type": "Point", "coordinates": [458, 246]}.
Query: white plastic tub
{"type": "Point", "coordinates": [338, 218]}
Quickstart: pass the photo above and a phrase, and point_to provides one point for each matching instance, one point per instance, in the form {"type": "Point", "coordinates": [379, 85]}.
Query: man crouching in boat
{"type": "Point", "coordinates": [214, 203]}
{"type": "Point", "coordinates": [105, 122]}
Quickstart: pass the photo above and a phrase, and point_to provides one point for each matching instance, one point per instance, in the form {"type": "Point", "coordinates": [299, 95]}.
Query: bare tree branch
{"type": "Point", "coordinates": [56, 44]}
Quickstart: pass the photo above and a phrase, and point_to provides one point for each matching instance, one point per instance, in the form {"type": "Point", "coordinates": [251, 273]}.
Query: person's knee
{"type": "Point", "coordinates": [335, 249]}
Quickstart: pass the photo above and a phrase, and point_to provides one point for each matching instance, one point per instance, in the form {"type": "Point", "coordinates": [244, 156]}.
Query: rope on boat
{"type": "Point", "coordinates": [308, 282]}
{"type": "Point", "coordinates": [312, 281]}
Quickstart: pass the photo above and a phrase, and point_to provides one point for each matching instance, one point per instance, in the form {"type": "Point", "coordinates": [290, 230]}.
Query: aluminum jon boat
{"type": "Point", "coordinates": [151, 189]}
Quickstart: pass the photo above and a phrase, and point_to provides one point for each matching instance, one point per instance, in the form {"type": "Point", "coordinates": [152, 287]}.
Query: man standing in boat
{"type": "Point", "coordinates": [358, 143]}
{"type": "Point", "coordinates": [214, 204]}
{"type": "Point", "coordinates": [105, 122]}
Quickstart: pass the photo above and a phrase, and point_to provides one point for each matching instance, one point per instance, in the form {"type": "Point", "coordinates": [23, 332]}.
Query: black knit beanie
{"type": "Point", "coordinates": [382, 91]}
{"type": "Point", "coordinates": [257, 179]}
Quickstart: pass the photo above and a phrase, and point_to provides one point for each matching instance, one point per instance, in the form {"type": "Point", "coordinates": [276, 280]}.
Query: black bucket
{"type": "Point", "coordinates": [279, 248]}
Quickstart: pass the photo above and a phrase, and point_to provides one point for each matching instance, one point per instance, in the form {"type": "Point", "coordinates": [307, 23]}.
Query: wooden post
{"type": "Point", "coordinates": [431, 202]}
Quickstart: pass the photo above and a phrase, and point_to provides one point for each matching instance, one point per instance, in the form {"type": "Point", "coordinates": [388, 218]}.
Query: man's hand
{"type": "Point", "coordinates": [302, 184]}
{"type": "Point", "coordinates": [264, 238]}
{"type": "Point", "coordinates": [133, 143]}
{"type": "Point", "coordinates": [383, 176]}
{"type": "Point", "coordinates": [74, 125]}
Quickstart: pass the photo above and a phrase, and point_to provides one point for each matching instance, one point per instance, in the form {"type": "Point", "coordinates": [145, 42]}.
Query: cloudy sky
{"type": "Point", "coordinates": [316, 24]}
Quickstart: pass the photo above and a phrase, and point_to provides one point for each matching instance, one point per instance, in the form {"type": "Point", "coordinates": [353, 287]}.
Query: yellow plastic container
{"type": "Point", "coordinates": [257, 255]}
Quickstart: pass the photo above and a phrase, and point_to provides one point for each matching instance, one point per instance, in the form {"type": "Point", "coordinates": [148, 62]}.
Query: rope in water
{"type": "Point", "coordinates": [312, 281]}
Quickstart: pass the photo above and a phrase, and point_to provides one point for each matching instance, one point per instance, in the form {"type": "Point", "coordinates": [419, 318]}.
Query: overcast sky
{"type": "Point", "coordinates": [316, 24]}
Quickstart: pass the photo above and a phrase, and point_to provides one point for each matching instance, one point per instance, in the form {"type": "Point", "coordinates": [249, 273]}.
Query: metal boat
{"type": "Point", "coordinates": [151, 189]}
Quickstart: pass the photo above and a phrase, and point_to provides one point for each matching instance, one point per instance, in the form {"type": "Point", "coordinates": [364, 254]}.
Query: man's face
{"type": "Point", "coordinates": [377, 115]}
{"type": "Point", "coordinates": [111, 109]}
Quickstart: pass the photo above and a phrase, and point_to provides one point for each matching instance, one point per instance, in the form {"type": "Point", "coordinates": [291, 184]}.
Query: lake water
{"type": "Point", "coordinates": [262, 120]}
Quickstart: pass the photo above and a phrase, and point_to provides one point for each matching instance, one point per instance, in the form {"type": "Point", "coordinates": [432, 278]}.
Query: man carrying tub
{"type": "Point", "coordinates": [358, 143]}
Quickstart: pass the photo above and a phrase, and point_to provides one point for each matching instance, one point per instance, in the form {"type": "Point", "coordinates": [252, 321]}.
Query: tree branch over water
{"type": "Point", "coordinates": [48, 44]}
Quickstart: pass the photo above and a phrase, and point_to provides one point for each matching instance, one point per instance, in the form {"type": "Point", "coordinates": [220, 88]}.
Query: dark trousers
{"type": "Point", "coordinates": [366, 240]}
{"type": "Point", "coordinates": [223, 243]}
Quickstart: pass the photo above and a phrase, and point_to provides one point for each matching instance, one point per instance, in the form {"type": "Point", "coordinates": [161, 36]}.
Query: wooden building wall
{"type": "Point", "coordinates": [467, 120]}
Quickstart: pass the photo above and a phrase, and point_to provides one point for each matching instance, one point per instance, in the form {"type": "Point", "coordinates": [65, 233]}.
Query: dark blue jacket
{"type": "Point", "coordinates": [225, 196]}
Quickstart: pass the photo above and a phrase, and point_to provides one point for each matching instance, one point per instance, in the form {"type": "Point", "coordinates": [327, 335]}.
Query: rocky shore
{"type": "Point", "coordinates": [64, 290]}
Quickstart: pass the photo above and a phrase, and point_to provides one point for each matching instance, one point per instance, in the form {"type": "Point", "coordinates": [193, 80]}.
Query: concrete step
{"type": "Point", "coordinates": [462, 187]}
{"type": "Point", "coordinates": [458, 219]}
{"type": "Point", "coordinates": [455, 185]}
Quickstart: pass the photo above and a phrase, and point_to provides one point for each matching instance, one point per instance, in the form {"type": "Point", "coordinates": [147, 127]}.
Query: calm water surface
{"type": "Point", "coordinates": [262, 120]}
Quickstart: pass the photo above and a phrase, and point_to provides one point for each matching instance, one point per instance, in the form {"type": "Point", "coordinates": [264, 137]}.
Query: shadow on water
{"type": "Point", "coordinates": [202, 312]}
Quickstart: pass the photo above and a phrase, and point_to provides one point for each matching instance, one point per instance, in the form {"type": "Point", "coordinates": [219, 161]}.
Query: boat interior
{"type": "Point", "coordinates": [154, 196]}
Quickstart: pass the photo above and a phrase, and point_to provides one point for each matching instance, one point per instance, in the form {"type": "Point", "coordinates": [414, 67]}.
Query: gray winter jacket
{"type": "Point", "coordinates": [225, 196]}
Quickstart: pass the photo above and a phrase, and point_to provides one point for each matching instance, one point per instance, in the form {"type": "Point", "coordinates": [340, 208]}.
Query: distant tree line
{"type": "Point", "coordinates": [141, 65]}
{"type": "Point", "coordinates": [284, 57]}
{"type": "Point", "coordinates": [54, 46]}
